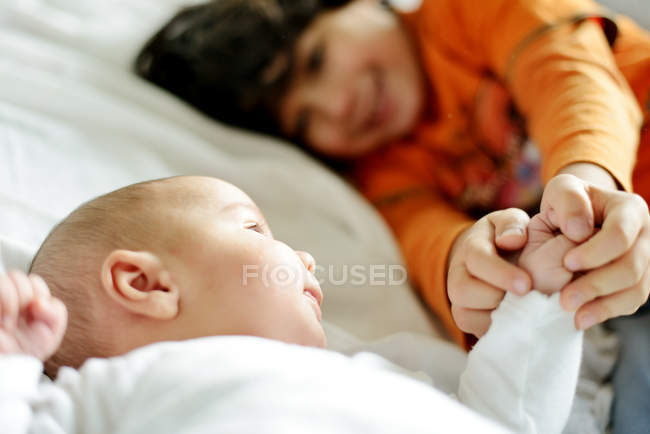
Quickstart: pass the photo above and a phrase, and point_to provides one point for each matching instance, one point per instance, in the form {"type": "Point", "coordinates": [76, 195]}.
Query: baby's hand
{"type": "Point", "coordinates": [543, 256]}
{"type": "Point", "coordinates": [32, 322]}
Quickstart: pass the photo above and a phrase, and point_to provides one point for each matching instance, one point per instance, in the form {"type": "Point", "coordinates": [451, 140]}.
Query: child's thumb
{"type": "Point", "coordinates": [510, 228]}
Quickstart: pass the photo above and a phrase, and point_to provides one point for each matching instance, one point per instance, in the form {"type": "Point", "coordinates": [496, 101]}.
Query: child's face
{"type": "Point", "coordinates": [235, 278]}
{"type": "Point", "coordinates": [358, 83]}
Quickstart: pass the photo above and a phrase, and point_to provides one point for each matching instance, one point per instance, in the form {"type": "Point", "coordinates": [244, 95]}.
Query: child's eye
{"type": "Point", "coordinates": [315, 61]}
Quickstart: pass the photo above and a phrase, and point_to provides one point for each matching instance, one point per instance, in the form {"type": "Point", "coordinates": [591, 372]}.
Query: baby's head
{"type": "Point", "coordinates": [341, 76]}
{"type": "Point", "coordinates": [175, 259]}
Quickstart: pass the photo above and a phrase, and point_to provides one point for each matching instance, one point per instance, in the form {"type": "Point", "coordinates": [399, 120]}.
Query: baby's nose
{"type": "Point", "coordinates": [308, 260]}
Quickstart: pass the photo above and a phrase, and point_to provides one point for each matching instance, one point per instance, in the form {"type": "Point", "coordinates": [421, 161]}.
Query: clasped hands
{"type": "Point", "coordinates": [590, 243]}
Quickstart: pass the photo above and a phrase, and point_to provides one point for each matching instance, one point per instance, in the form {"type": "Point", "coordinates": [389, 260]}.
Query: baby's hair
{"type": "Point", "coordinates": [70, 260]}
{"type": "Point", "coordinates": [231, 59]}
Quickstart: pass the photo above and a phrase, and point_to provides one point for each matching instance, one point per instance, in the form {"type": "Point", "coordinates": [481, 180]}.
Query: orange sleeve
{"type": "Point", "coordinates": [563, 77]}
{"type": "Point", "coordinates": [424, 224]}
{"type": "Point", "coordinates": [560, 71]}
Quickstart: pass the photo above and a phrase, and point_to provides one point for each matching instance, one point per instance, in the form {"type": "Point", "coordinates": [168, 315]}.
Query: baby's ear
{"type": "Point", "coordinates": [139, 282]}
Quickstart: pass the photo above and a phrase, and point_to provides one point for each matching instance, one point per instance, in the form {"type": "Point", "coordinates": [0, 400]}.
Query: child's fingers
{"type": "Point", "coordinates": [476, 322]}
{"type": "Point", "coordinates": [625, 224]}
{"type": "Point", "coordinates": [509, 228]}
{"type": "Point", "coordinates": [9, 300]}
{"type": "Point", "coordinates": [567, 205]}
{"type": "Point", "coordinates": [624, 302]}
{"type": "Point", "coordinates": [471, 293]}
{"type": "Point", "coordinates": [24, 288]}
{"type": "Point", "coordinates": [478, 276]}
{"type": "Point", "coordinates": [483, 262]}
{"type": "Point", "coordinates": [626, 272]}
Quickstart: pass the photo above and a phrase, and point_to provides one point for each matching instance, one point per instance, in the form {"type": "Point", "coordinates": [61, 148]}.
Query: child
{"type": "Point", "coordinates": [447, 112]}
{"type": "Point", "coordinates": [167, 260]}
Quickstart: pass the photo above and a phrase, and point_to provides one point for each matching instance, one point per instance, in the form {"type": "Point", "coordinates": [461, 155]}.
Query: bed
{"type": "Point", "coordinates": [75, 123]}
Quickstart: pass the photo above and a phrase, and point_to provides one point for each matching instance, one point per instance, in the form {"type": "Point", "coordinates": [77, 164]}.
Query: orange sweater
{"type": "Point", "coordinates": [501, 72]}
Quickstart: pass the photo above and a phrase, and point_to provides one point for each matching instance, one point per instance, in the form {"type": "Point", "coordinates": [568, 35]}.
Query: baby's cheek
{"type": "Point", "coordinates": [545, 265]}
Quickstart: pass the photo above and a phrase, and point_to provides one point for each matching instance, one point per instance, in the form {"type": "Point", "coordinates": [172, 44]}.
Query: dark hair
{"type": "Point", "coordinates": [221, 56]}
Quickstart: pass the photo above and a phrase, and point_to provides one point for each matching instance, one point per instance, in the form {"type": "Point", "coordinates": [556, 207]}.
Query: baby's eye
{"type": "Point", "coordinates": [256, 227]}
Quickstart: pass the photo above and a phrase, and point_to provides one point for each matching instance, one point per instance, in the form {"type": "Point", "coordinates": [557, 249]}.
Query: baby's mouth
{"type": "Point", "coordinates": [315, 296]}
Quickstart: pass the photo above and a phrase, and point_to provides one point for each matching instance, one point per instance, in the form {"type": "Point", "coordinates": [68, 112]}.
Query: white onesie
{"type": "Point", "coordinates": [522, 375]}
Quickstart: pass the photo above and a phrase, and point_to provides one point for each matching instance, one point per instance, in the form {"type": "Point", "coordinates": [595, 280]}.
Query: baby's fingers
{"type": "Point", "coordinates": [45, 308]}
{"type": "Point", "coordinates": [8, 302]}
{"type": "Point", "coordinates": [41, 290]}
{"type": "Point", "coordinates": [540, 230]}
{"type": "Point", "coordinates": [23, 287]}
{"type": "Point", "coordinates": [50, 312]}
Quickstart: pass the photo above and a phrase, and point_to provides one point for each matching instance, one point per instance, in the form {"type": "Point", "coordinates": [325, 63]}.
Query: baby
{"type": "Point", "coordinates": [171, 260]}
{"type": "Point", "coordinates": [165, 260]}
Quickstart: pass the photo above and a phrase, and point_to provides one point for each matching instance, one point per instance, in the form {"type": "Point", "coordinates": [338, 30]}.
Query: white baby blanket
{"type": "Point", "coordinates": [522, 375]}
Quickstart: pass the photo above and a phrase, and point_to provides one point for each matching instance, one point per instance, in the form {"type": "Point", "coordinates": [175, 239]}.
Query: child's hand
{"type": "Point", "coordinates": [477, 277]}
{"type": "Point", "coordinates": [31, 320]}
{"type": "Point", "coordinates": [542, 257]}
{"type": "Point", "coordinates": [616, 258]}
